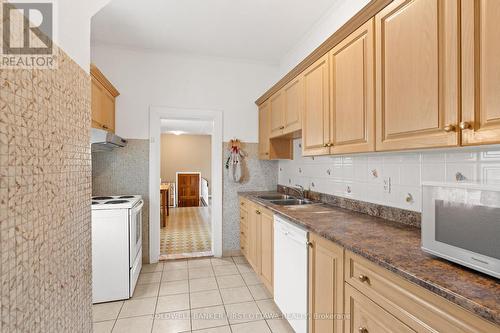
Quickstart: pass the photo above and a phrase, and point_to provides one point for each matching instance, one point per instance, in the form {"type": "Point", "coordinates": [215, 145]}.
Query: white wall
{"type": "Point", "coordinates": [338, 175]}
{"type": "Point", "coordinates": [161, 79]}
{"type": "Point", "coordinates": [331, 21]}
{"type": "Point", "coordinates": [73, 34]}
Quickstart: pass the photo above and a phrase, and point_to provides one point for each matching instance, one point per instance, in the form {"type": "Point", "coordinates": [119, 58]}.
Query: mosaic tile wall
{"type": "Point", "coordinates": [45, 188]}
{"type": "Point", "coordinates": [390, 178]}
{"type": "Point", "coordinates": [258, 176]}
{"type": "Point", "coordinates": [125, 171]}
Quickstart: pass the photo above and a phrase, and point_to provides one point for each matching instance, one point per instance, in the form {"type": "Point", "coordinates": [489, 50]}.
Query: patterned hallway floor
{"type": "Point", "coordinates": [187, 234]}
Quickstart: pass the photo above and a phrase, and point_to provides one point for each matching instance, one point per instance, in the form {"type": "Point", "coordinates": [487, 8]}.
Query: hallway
{"type": "Point", "coordinates": [187, 234]}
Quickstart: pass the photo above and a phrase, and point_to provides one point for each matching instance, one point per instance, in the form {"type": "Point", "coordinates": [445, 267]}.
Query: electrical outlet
{"type": "Point", "coordinates": [387, 185]}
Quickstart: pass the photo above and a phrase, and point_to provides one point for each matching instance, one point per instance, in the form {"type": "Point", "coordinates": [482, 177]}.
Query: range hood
{"type": "Point", "coordinates": [102, 140]}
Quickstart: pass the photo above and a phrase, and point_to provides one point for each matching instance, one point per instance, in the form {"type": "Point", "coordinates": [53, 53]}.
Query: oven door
{"type": "Point", "coordinates": [135, 231]}
{"type": "Point", "coordinates": [462, 224]}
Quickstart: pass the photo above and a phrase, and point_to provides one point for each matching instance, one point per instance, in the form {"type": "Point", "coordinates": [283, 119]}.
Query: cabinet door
{"type": "Point", "coordinates": [417, 75]}
{"type": "Point", "coordinates": [108, 111]}
{"type": "Point", "coordinates": [243, 230]}
{"type": "Point", "coordinates": [266, 246]}
{"type": "Point", "coordinates": [480, 72]}
{"type": "Point", "coordinates": [352, 122]}
{"type": "Point", "coordinates": [326, 289]}
{"type": "Point", "coordinates": [315, 122]}
{"type": "Point", "coordinates": [97, 112]}
{"type": "Point", "coordinates": [366, 316]}
{"type": "Point", "coordinates": [293, 92]}
{"type": "Point", "coordinates": [264, 131]}
{"type": "Point", "coordinates": [277, 103]}
{"type": "Point", "coordinates": [253, 237]}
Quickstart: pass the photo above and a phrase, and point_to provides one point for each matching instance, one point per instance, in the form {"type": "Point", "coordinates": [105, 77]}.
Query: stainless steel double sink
{"type": "Point", "coordinates": [285, 200]}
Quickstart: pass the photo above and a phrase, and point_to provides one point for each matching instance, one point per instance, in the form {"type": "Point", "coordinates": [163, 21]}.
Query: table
{"type": "Point", "coordinates": [164, 194]}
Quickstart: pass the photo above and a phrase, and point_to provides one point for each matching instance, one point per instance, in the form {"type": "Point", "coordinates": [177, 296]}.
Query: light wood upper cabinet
{"type": "Point", "coordinates": [294, 106]}
{"type": "Point", "coordinates": [316, 115]}
{"type": "Point", "coordinates": [480, 72]}
{"type": "Point", "coordinates": [264, 131]}
{"type": "Point", "coordinates": [103, 96]}
{"type": "Point", "coordinates": [417, 79]}
{"type": "Point", "coordinates": [352, 121]}
{"type": "Point", "coordinates": [277, 102]}
{"type": "Point", "coordinates": [326, 284]}
{"type": "Point", "coordinates": [266, 248]}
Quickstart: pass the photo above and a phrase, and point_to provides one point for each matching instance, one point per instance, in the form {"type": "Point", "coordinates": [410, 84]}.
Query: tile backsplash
{"type": "Point", "coordinates": [392, 179]}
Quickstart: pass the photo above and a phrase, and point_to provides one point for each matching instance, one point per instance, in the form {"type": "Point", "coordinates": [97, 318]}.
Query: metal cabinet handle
{"type": "Point", "coordinates": [362, 330]}
{"type": "Point", "coordinates": [104, 126]}
{"type": "Point", "coordinates": [364, 278]}
{"type": "Point", "coordinates": [310, 244]}
{"type": "Point", "coordinates": [282, 127]}
{"type": "Point", "coordinates": [325, 145]}
{"type": "Point", "coordinates": [450, 128]}
{"type": "Point", "coordinates": [464, 125]}
{"type": "Point", "coordinates": [258, 212]}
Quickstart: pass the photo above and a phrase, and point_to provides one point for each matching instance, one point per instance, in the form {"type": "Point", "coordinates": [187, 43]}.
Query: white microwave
{"type": "Point", "coordinates": [461, 223]}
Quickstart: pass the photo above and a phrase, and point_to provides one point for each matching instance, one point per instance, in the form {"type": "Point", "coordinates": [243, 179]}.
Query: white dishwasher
{"type": "Point", "coordinates": [290, 272]}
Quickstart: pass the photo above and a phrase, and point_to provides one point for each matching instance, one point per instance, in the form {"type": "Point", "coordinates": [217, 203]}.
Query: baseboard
{"type": "Point", "coordinates": [231, 253]}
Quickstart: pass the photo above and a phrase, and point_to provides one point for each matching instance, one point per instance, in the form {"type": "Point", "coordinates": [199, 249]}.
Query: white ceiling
{"type": "Point", "coordinates": [192, 127]}
{"type": "Point", "coordinates": [256, 30]}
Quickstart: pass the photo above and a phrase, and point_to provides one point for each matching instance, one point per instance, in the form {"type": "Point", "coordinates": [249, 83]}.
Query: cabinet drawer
{"type": "Point", "coordinates": [244, 203]}
{"type": "Point", "coordinates": [415, 306]}
{"type": "Point", "coordinates": [367, 317]}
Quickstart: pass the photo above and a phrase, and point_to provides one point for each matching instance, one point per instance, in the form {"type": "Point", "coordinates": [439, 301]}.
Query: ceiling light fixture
{"type": "Point", "coordinates": [177, 132]}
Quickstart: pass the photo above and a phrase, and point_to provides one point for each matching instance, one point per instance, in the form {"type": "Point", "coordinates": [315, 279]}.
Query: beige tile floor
{"type": "Point", "coordinates": [206, 295]}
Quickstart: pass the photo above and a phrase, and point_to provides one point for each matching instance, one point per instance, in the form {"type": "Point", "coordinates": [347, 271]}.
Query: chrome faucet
{"type": "Point", "coordinates": [299, 189]}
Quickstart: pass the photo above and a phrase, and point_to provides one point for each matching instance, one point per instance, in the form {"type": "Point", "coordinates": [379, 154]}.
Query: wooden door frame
{"type": "Point", "coordinates": [156, 113]}
{"type": "Point", "coordinates": [177, 183]}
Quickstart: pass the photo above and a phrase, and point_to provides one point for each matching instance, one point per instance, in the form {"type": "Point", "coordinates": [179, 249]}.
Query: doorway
{"type": "Point", "coordinates": [190, 225]}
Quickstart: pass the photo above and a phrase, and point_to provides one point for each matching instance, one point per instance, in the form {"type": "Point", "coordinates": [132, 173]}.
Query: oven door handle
{"type": "Point", "coordinates": [137, 207]}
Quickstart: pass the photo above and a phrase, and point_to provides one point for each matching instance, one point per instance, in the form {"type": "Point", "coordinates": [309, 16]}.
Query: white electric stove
{"type": "Point", "coordinates": [116, 246]}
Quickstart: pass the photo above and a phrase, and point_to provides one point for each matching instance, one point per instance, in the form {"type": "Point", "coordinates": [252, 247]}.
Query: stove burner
{"type": "Point", "coordinates": [102, 198]}
{"type": "Point", "coordinates": [95, 203]}
{"type": "Point", "coordinates": [116, 202]}
{"type": "Point", "coordinates": [126, 197]}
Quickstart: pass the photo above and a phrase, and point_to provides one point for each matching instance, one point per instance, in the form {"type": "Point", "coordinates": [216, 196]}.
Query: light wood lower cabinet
{"type": "Point", "coordinates": [417, 74]}
{"type": "Point", "coordinates": [258, 240]}
{"type": "Point", "coordinates": [244, 226]}
{"type": "Point", "coordinates": [326, 285]}
{"type": "Point", "coordinates": [365, 316]}
{"type": "Point", "coordinates": [480, 72]}
{"type": "Point", "coordinates": [417, 308]}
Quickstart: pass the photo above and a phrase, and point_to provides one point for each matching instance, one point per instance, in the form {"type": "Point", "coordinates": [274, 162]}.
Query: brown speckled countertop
{"type": "Point", "coordinates": [396, 247]}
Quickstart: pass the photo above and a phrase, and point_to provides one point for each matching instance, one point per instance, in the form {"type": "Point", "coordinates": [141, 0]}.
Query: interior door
{"type": "Point", "coordinates": [480, 72]}
{"type": "Point", "coordinates": [417, 77]}
{"type": "Point", "coordinates": [352, 122]}
{"type": "Point", "coordinates": [189, 190]}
